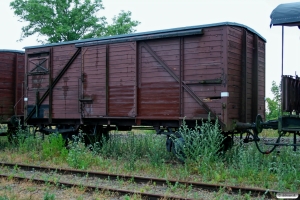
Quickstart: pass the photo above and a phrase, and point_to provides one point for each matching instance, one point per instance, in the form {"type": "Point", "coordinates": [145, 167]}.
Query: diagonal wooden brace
{"type": "Point", "coordinates": [62, 72]}
{"type": "Point", "coordinates": [186, 87]}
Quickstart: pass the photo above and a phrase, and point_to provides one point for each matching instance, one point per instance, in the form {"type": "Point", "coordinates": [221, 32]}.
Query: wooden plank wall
{"type": "Point", "coordinates": [11, 86]}
{"type": "Point", "coordinates": [250, 80]}
{"type": "Point", "coordinates": [94, 84]}
{"type": "Point", "coordinates": [236, 79]}
{"type": "Point", "coordinates": [158, 90]}
{"type": "Point", "coordinates": [65, 94]}
{"type": "Point", "coordinates": [7, 90]}
{"type": "Point", "coordinates": [261, 77]}
{"type": "Point", "coordinates": [36, 82]}
{"type": "Point", "coordinates": [122, 79]}
{"type": "Point", "coordinates": [20, 71]}
{"type": "Point", "coordinates": [203, 61]}
{"type": "Point", "coordinates": [234, 65]}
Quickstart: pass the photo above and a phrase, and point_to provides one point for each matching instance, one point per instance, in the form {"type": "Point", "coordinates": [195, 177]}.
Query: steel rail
{"type": "Point", "coordinates": [149, 196]}
{"type": "Point", "coordinates": [140, 179]}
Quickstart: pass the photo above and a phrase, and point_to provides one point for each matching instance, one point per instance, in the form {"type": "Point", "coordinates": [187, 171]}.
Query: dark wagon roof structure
{"type": "Point", "coordinates": [11, 51]}
{"type": "Point", "coordinates": [174, 32]}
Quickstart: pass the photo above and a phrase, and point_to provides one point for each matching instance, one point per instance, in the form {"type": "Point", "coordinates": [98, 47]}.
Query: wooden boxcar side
{"type": "Point", "coordinates": [11, 85]}
{"type": "Point", "coordinates": [246, 75]}
{"type": "Point", "coordinates": [43, 67]}
{"type": "Point", "coordinates": [155, 78]}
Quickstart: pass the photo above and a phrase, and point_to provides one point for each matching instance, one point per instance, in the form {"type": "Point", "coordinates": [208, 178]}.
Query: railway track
{"type": "Point", "coordinates": [89, 188]}
{"type": "Point", "coordinates": [234, 190]}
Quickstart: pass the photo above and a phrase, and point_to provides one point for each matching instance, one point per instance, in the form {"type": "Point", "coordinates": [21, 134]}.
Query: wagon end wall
{"type": "Point", "coordinates": [246, 75]}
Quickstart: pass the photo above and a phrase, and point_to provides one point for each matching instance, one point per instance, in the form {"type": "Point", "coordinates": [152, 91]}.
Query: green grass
{"type": "Point", "coordinates": [132, 153]}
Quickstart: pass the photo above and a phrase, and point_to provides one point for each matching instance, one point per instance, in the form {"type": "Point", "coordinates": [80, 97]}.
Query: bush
{"type": "Point", "coordinates": [199, 143]}
{"type": "Point", "coordinates": [79, 155]}
{"type": "Point", "coordinates": [54, 146]}
{"type": "Point", "coordinates": [24, 140]}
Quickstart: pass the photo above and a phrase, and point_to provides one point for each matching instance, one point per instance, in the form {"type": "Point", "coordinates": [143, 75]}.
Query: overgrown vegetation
{"type": "Point", "coordinates": [199, 143]}
{"type": "Point", "coordinates": [145, 154]}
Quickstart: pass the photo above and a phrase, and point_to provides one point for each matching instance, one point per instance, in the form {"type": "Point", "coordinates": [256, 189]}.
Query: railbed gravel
{"type": "Point", "coordinates": [60, 192]}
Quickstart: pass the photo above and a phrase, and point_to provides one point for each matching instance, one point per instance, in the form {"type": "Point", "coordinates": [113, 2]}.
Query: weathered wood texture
{"type": "Point", "coordinates": [234, 71]}
{"type": "Point", "coordinates": [122, 79]}
{"type": "Point", "coordinates": [236, 79]}
{"type": "Point", "coordinates": [65, 94]}
{"type": "Point", "coordinates": [19, 77]}
{"type": "Point", "coordinates": [11, 85]}
{"type": "Point", "coordinates": [93, 83]}
{"type": "Point", "coordinates": [158, 91]}
{"type": "Point", "coordinates": [261, 77]}
{"type": "Point", "coordinates": [203, 62]}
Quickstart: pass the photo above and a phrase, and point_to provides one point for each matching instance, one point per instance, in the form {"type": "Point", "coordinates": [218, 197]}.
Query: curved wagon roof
{"type": "Point", "coordinates": [10, 51]}
{"type": "Point", "coordinates": [146, 35]}
{"type": "Point", "coordinates": [287, 14]}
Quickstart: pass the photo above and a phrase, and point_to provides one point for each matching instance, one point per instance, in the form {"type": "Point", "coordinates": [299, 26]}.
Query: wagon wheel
{"type": "Point", "coordinates": [12, 134]}
{"type": "Point", "coordinates": [227, 143]}
{"type": "Point", "coordinates": [95, 133]}
{"type": "Point", "coordinates": [177, 148]}
{"type": "Point", "coordinates": [70, 136]}
{"type": "Point", "coordinates": [15, 121]}
{"type": "Point", "coordinates": [16, 135]}
{"type": "Point", "coordinates": [12, 129]}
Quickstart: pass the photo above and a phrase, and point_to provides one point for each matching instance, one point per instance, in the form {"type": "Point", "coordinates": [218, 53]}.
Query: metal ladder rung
{"type": "Point", "coordinates": [281, 144]}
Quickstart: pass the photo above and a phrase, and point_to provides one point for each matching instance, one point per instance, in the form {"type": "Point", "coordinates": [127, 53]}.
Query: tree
{"type": "Point", "coordinates": [273, 107]}
{"type": "Point", "coordinates": [121, 24]}
{"type": "Point", "coordinates": [66, 20]}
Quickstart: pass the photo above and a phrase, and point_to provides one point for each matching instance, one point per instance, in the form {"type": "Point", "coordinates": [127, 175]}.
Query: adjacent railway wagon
{"type": "Point", "coordinates": [12, 70]}
{"type": "Point", "coordinates": [154, 78]}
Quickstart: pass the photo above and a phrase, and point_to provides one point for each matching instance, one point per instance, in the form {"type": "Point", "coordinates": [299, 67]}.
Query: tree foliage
{"type": "Point", "coordinates": [66, 20]}
{"type": "Point", "coordinates": [121, 24]}
{"type": "Point", "coordinates": [273, 105]}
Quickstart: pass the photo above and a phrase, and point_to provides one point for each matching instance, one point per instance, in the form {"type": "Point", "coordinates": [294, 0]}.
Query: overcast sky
{"type": "Point", "coordinates": [163, 14]}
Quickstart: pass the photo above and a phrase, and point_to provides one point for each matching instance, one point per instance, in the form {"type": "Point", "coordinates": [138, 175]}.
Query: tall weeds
{"type": "Point", "coordinates": [131, 147]}
{"type": "Point", "coordinates": [79, 155]}
{"type": "Point", "coordinates": [200, 143]}
{"type": "Point", "coordinates": [26, 142]}
{"type": "Point", "coordinates": [54, 146]}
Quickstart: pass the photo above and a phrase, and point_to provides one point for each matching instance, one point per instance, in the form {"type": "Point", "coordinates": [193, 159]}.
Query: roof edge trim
{"type": "Point", "coordinates": [11, 51]}
{"type": "Point", "coordinates": [124, 36]}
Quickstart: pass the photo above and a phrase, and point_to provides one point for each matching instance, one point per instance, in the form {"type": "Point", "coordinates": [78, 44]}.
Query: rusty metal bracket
{"type": "Point", "coordinates": [212, 81]}
{"type": "Point", "coordinates": [86, 100]}
{"type": "Point", "coordinates": [209, 81]}
{"type": "Point", "coordinates": [62, 72]}
{"type": "Point", "coordinates": [186, 87]}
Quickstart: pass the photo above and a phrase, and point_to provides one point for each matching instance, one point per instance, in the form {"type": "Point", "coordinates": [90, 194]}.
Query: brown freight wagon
{"type": "Point", "coordinates": [12, 72]}
{"type": "Point", "coordinates": [154, 78]}
{"type": "Point", "coordinates": [11, 84]}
